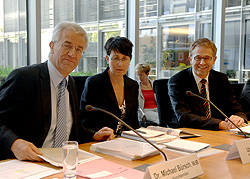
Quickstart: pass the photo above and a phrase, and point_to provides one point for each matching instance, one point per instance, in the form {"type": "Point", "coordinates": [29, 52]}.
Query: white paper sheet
{"type": "Point", "coordinates": [22, 169]}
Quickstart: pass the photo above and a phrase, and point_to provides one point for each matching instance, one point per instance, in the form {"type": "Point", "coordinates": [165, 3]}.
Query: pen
{"type": "Point", "coordinates": [143, 132]}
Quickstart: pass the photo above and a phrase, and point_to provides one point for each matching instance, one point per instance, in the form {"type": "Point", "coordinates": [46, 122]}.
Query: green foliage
{"type": "Point", "coordinates": [182, 66]}
{"type": "Point", "coordinates": [81, 74]}
{"type": "Point", "coordinates": [169, 61]}
{"type": "Point", "coordinates": [111, 34]}
{"type": "Point", "coordinates": [149, 52]}
{"type": "Point", "coordinates": [5, 71]}
{"type": "Point", "coordinates": [231, 73]}
{"type": "Point", "coordinates": [93, 37]}
{"type": "Point", "coordinates": [167, 56]}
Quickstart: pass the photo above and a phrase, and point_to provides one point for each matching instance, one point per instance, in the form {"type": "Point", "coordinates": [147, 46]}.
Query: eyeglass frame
{"type": "Point", "coordinates": [71, 48]}
{"type": "Point", "coordinates": [119, 59]}
{"type": "Point", "coordinates": [206, 59]}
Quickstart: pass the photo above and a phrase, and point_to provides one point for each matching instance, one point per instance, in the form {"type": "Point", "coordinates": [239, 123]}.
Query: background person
{"type": "Point", "coordinates": [146, 98]}
{"type": "Point", "coordinates": [245, 99]}
{"type": "Point", "coordinates": [28, 100]}
{"type": "Point", "coordinates": [190, 111]}
{"type": "Point", "coordinates": [112, 90]}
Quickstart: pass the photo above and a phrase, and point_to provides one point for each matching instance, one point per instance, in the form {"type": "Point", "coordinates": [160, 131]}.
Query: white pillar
{"type": "Point", "coordinates": [132, 30]}
{"type": "Point", "coordinates": [34, 31]}
{"type": "Point", "coordinates": [219, 32]}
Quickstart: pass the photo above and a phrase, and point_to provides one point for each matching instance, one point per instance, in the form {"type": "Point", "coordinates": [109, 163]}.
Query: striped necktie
{"type": "Point", "coordinates": [204, 95]}
{"type": "Point", "coordinates": [61, 129]}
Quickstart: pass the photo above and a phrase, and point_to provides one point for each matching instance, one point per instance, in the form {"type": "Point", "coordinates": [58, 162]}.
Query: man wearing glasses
{"type": "Point", "coordinates": [38, 103]}
{"type": "Point", "coordinates": [201, 79]}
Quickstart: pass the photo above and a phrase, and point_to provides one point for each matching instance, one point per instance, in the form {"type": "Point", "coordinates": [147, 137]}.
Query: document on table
{"type": "Point", "coordinates": [22, 169]}
{"type": "Point", "coordinates": [183, 134]}
{"type": "Point", "coordinates": [154, 136]}
{"type": "Point", "coordinates": [186, 145]}
{"type": "Point", "coordinates": [54, 156]}
{"type": "Point", "coordinates": [102, 168]}
{"type": "Point", "coordinates": [125, 148]}
{"type": "Point", "coordinates": [202, 154]}
{"type": "Point", "coordinates": [245, 129]}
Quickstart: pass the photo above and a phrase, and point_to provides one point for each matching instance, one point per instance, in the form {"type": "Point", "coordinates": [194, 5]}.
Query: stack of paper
{"type": "Point", "coordinates": [152, 135]}
{"type": "Point", "coordinates": [187, 145]}
{"type": "Point", "coordinates": [175, 132]}
{"type": "Point", "coordinates": [125, 148]}
{"type": "Point", "coordinates": [55, 156]}
{"type": "Point", "coordinates": [245, 129]}
{"type": "Point", "coordinates": [24, 169]}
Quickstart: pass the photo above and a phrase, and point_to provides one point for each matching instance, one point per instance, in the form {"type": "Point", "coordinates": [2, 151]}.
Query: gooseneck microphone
{"type": "Point", "coordinates": [189, 93]}
{"type": "Point", "coordinates": [91, 108]}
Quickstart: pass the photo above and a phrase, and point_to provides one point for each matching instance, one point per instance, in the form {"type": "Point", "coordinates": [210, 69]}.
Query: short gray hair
{"type": "Point", "coordinates": [69, 26]}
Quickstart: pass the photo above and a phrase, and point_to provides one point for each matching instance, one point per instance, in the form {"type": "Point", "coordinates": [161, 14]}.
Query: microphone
{"type": "Point", "coordinates": [189, 93]}
{"type": "Point", "coordinates": [91, 108]}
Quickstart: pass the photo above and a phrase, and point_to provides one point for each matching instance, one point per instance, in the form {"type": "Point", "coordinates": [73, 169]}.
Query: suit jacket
{"type": "Point", "coordinates": [190, 111]}
{"type": "Point", "coordinates": [98, 92]}
{"type": "Point", "coordinates": [25, 108]}
{"type": "Point", "coordinates": [245, 98]}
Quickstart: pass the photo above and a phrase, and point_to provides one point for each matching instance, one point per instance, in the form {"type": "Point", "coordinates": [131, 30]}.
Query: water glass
{"type": "Point", "coordinates": [70, 159]}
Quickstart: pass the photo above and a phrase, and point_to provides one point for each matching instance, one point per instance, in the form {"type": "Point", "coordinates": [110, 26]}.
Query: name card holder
{"type": "Point", "coordinates": [240, 148]}
{"type": "Point", "coordinates": [180, 168]}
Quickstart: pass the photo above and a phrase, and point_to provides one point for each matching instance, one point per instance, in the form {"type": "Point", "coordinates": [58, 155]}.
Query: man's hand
{"type": "Point", "coordinates": [24, 150]}
{"type": "Point", "coordinates": [104, 134]}
{"type": "Point", "coordinates": [223, 125]}
{"type": "Point", "coordinates": [237, 120]}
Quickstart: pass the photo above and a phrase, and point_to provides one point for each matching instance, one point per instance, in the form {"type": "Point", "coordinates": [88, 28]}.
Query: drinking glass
{"type": "Point", "coordinates": [70, 159]}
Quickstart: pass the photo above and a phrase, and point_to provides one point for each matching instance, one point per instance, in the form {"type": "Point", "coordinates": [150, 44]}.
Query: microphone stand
{"type": "Point", "coordinates": [189, 93]}
{"type": "Point", "coordinates": [102, 110]}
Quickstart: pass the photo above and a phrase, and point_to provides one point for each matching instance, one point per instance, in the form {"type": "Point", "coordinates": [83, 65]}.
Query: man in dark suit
{"type": "Point", "coordinates": [245, 98]}
{"type": "Point", "coordinates": [28, 99]}
{"type": "Point", "coordinates": [193, 112]}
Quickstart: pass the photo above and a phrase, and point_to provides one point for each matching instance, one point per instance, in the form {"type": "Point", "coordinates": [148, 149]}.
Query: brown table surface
{"type": "Point", "coordinates": [213, 166]}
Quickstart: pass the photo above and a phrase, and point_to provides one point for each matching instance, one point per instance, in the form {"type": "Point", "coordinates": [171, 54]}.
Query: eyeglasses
{"type": "Point", "coordinates": [116, 59]}
{"type": "Point", "coordinates": [69, 46]}
{"type": "Point", "coordinates": [206, 59]}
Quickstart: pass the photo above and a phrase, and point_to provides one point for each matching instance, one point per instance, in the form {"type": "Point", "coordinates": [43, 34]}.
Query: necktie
{"type": "Point", "coordinates": [204, 95]}
{"type": "Point", "coordinates": [61, 129]}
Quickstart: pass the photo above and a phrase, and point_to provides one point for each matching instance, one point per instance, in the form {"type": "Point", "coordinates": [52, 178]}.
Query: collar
{"type": "Point", "coordinates": [55, 76]}
{"type": "Point", "coordinates": [198, 79]}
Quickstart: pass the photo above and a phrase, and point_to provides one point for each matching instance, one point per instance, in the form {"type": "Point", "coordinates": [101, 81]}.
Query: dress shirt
{"type": "Point", "coordinates": [198, 82]}
{"type": "Point", "coordinates": [55, 79]}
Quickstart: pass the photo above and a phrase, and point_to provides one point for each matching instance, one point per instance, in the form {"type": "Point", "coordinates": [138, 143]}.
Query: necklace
{"type": "Point", "coordinates": [145, 85]}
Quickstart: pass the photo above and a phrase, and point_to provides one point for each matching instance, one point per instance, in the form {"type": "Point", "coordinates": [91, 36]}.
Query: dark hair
{"type": "Point", "coordinates": [119, 44]}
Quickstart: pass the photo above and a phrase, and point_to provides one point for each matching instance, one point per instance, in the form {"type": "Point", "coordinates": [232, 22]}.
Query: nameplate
{"type": "Point", "coordinates": [180, 168]}
{"type": "Point", "coordinates": [240, 148]}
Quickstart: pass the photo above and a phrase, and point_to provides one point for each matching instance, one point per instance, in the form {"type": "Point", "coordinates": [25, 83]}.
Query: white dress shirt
{"type": "Point", "coordinates": [198, 82]}
{"type": "Point", "coordinates": [55, 79]}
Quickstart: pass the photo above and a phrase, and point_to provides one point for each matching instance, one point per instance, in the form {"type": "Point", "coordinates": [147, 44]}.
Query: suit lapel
{"type": "Point", "coordinates": [109, 88]}
{"type": "Point", "coordinates": [194, 88]}
{"type": "Point", "coordinates": [72, 96]}
{"type": "Point", "coordinates": [213, 91]}
{"type": "Point", "coordinates": [74, 107]}
{"type": "Point", "coordinates": [45, 95]}
{"type": "Point", "coordinates": [128, 90]}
